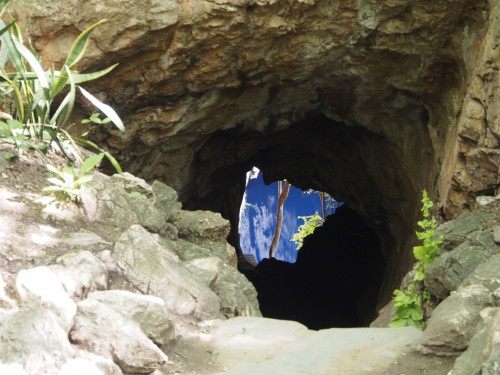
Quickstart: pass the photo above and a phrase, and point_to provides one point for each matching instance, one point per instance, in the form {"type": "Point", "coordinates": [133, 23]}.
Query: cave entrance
{"type": "Point", "coordinates": [379, 180]}
{"type": "Point", "coordinates": [332, 281]}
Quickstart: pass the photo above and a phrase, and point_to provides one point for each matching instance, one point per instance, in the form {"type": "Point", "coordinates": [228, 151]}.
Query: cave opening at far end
{"type": "Point", "coordinates": [349, 268]}
{"type": "Point", "coordinates": [333, 283]}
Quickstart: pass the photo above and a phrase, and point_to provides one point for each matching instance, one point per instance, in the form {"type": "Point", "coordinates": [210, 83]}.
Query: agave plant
{"type": "Point", "coordinates": [29, 92]}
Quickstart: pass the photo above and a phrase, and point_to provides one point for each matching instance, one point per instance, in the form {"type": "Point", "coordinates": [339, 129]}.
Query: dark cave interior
{"type": "Point", "coordinates": [349, 269]}
{"type": "Point", "coordinates": [335, 281]}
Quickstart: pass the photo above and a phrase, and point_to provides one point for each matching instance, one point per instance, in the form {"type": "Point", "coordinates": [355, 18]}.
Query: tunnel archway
{"type": "Point", "coordinates": [375, 177]}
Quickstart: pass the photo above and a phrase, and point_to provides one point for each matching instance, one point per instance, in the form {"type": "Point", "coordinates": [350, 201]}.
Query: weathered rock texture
{"type": "Point", "coordinates": [370, 101]}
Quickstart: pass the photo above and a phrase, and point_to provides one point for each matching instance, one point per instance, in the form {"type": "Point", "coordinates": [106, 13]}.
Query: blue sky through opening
{"type": "Point", "coordinates": [258, 218]}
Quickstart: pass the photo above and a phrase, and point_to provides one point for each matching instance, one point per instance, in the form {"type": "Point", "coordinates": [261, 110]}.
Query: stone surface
{"type": "Point", "coordinates": [153, 269]}
{"type": "Point", "coordinates": [147, 311]}
{"type": "Point", "coordinates": [89, 364]}
{"type": "Point", "coordinates": [496, 234]}
{"type": "Point", "coordinates": [42, 285]}
{"type": "Point", "coordinates": [457, 231]}
{"type": "Point", "coordinates": [6, 303]}
{"type": "Point", "coordinates": [111, 199]}
{"type": "Point", "coordinates": [486, 274]}
{"type": "Point", "coordinates": [209, 230]}
{"type": "Point", "coordinates": [237, 295]}
{"type": "Point", "coordinates": [265, 346]}
{"type": "Point", "coordinates": [33, 337]}
{"type": "Point", "coordinates": [483, 353]}
{"type": "Point", "coordinates": [448, 271]}
{"type": "Point", "coordinates": [101, 330]}
{"type": "Point", "coordinates": [80, 273]}
{"type": "Point", "coordinates": [454, 321]}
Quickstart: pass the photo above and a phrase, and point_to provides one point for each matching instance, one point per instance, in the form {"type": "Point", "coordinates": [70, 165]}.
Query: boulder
{"type": "Point", "coordinates": [147, 263]}
{"type": "Point", "coordinates": [147, 311]}
{"type": "Point", "coordinates": [42, 285]}
{"type": "Point", "coordinates": [448, 271]}
{"type": "Point", "coordinates": [237, 295]}
{"type": "Point", "coordinates": [33, 338]}
{"type": "Point", "coordinates": [454, 321]}
{"type": "Point", "coordinates": [199, 226]}
{"type": "Point", "coordinates": [103, 331]}
{"type": "Point", "coordinates": [80, 273]}
{"type": "Point", "coordinates": [209, 230]}
{"type": "Point", "coordinates": [486, 274]}
{"type": "Point", "coordinates": [89, 364]}
{"type": "Point", "coordinates": [122, 200]}
{"type": "Point", "coordinates": [166, 200]}
{"type": "Point", "coordinates": [458, 230]}
{"type": "Point", "coordinates": [483, 353]}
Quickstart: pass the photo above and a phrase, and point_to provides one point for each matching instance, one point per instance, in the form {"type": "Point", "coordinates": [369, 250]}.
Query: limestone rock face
{"type": "Point", "coordinates": [153, 269]}
{"type": "Point", "coordinates": [454, 321]}
{"type": "Point", "coordinates": [105, 332]}
{"type": "Point", "coordinates": [483, 354]}
{"type": "Point", "coordinates": [370, 101]}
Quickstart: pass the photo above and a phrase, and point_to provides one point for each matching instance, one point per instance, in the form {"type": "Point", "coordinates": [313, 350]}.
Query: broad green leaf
{"type": "Point", "coordinates": [14, 54]}
{"type": "Point", "coordinates": [398, 323]}
{"type": "Point", "coordinates": [52, 169]}
{"type": "Point", "coordinates": [33, 61]}
{"type": "Point", "coordinates": [90, 163]}
{"type": "Point", "coordinates": [419, 252]}
{"type": "Point", "coordinates": [66, 107]}
{"type": "Point", "coordinates": [80, 45]}
{"type": "Point", "coordinates": [112, 160]}
{"type": "Point", "coordinates": [56, 181]}
{"type": "Point", "coordinates": [18, 101]}
{"type": "Point", "coordinates": [106, 109]}
{"type": "Point", "coordinates": [83, 180]}
{"type": "Point", "coordinates": [85, 77]}
{"type": "Point", "coordinates": [417, 314]}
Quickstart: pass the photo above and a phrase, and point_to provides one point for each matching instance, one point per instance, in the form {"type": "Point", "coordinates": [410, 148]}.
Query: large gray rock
{"type": "Point", "coordinates": [270, 347]}
{"type": "Point", "coordinates": [458, 230]}
{"type": "Point", "coordinates": [147, 311]}
{"type": "Point", "coordinates": [454, 321]}
{"type": "Point", "coordinates": [486, 274]}
{"type": "Point", "coordinates": [237, 295]}
{"type": "Point", "coordinates": [209, 230]}
{"type": "Point", "coordinates": [103, 331]}
{"type": "Point", "coordinates": [42, 285]}
{"type": "Point", "coordinates": [166, 200]}
{"type": "Point", "coordinates": [123, 200]}
{"type": "Point", "coordinates": [80, 273]}
{"type": "Point", "coordinates": [33, 337]}
{"type": "Point", "coordinates": [152, 268]}
{"type": "Point", "coordinates": [89, 364]}
{"type": "Point", "coordinates": [448, 271]}
{"type": "Point", "coordinates": [483, 354]}
{"type": "Point", "coordinates": [199, 226]}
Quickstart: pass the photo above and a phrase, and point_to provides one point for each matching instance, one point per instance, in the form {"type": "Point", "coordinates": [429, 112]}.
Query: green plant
{"type": "Point", "coordinates": [310, 224]}
{"type": "Point", "coordinates": [96, 119]}
{"type": "Point", "coordinates": [69, 182]}
{"type": "Point", "coordinates": [431, 243]}
{"type": "Point", "coordinates": [30, 93]}
{"type": "Point", "coordinates": [409, 303]}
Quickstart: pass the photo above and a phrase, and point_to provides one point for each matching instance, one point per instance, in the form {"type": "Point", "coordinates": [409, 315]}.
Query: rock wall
{"type": "Point", "coordinates": [370, 101]}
